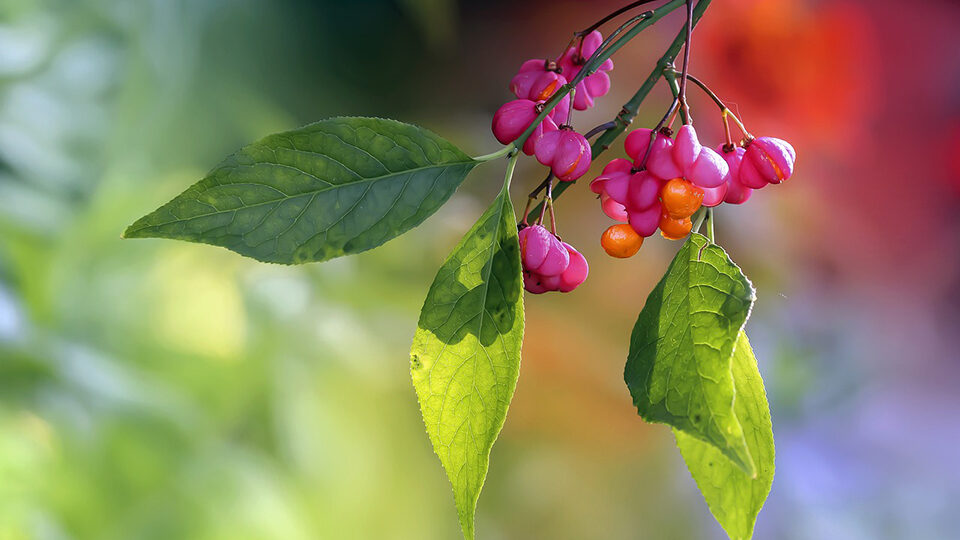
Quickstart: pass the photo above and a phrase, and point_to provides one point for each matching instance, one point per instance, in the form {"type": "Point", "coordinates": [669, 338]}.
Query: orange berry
{"type": "Point", "coordinates": [680, 198]}
{"type": "Point", "coordinates": [673, 228]}
{"type": "Point", "coordinates": [621, 241]}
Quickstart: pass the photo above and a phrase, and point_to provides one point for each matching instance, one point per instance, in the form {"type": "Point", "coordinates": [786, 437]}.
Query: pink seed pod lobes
{"type": "Point", "coordinates": [768, 160]}
{"type": "Point", "coordinates": [556, 261]}
{"type": "Point", "coordinates": [645, 222]}
{"type": "Point", "coordinates": [614, 180]}
{"type": "Point", "coordinates": [597, 84]}
{"type": "Point", "coordinates": [532, 283]}
{"type": "Point", "coordinates": [534, 244]}
{"type": "Point", "coordinates": [714, 196]}
{"type": "Point", "coordinates": [686, 148]}
{"type": "Point", "coordinates": [644, 189]}
{"type": "Point", "coordinates": [660, 162]}
{"type": "Point", "coordinates": [737, 193]}
{"type": "Point", "coordinates": [513, 118]}
{"type": "Point", "coordinates": [709, 170]}
{"type": "Point", "coordinates": [566, 152]}
{"type": "Point", "coordinates": [576, 272]}
{"type": "Point", "coordinates": [535, 79]}
{"type": "Point", "coordinates": [613, 209]}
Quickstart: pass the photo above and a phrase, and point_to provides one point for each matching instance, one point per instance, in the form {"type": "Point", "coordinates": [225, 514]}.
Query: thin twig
{"type": "Point", "coordinates": [586, 31]}
{"type": "Point", "coordinates": [686, 63]}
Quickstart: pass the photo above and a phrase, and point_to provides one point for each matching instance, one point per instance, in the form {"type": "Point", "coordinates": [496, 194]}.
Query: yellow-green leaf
{"type": "Point", "coordinates": [465, 357]}
{"type": "Point", "coordinates": [678, 370]}
{"type": "Point", "coordinates": [734, 497]}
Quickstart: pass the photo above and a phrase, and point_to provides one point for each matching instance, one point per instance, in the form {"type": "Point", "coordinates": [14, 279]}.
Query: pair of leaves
{"type": "Point", "coordinates": [336, 187]}
{"type": "Point", "coordinates": [691, 367]}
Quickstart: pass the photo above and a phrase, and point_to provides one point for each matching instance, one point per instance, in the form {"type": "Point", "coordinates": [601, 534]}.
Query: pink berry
{"type": "Point", "coordinates": [737, 193]}
{"type": "Point", "coordinates": [566, 152]}
{"type": "Point", "coordinates": [534, 244]}
{"type": "Point", "coordinates": [532, 283]}
{"type": "Point", "coordinates": [535, 81]}
{"type": "Point", "coordinates": [595, 85]}
{"type": "Point", "coordinates": [714, 196]}
{"type": "Point", "coordinates": [576, 272]}
{"type": "Point", "coordinates": [660, 162]}
{"type": "Point", "coordinates": [686, 148]}
{"type": "Point", "coordinates": [551, 283]}
{"type": "Point", "coordinates": [592, 87]}
{"type": "Point", "coordinates": [513, 118]}
{"type": "Point", "coordinates": [767, 160]}
{"type": "Point", "coordinates": [556, 261]}
{"type": "Point", "coordinates": [619, 170]}
{"type": "Point", "coordinates": [645, 222]}
{"type": "Point", "coordinates": [709, 170]}
{"type": "Point", "coordinates": [528, 74]}
{"type": "Point", "coordinates": [612, 208]}
{"type": "Point", "coordinates": [644, 189]}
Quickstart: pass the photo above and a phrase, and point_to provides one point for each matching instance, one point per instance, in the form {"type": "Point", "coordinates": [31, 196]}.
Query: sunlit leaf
{"type": "Point", "coordinates": [332, 188]}
{"type": "Point", "coordinates": [466, 352]}
{"type": "Point", "coordinates": [678, 370]}
{"type": "Point", "coordinates": [734, 497]}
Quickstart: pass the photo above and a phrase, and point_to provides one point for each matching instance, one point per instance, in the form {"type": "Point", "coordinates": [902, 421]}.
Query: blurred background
{"type": "Point", "coordinates": [155, 389]}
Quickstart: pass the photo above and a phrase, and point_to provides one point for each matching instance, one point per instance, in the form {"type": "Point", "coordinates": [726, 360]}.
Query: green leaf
{"type": "Point", "coordinates": [465, 357]}
{"type": "Point", "coordinates": [734, 497]}
{"type": "Point", "coordinates": [678, 370]}
{"type": "Point", "coordinates": [332, 188]}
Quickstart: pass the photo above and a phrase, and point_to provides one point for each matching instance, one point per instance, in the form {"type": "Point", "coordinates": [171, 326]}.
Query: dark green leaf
{"type": "Point", "coordinates": [332, 188]}
{"type": "Point", "coordinates": [466, 353]}
{"type": "Point", "coordinates": [678, 370]}
{"type": "Point", "coordinates": [734, 497]}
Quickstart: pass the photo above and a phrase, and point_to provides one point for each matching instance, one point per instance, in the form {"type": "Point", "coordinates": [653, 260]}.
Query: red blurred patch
{"type": "Point", "coordinates": [809, 67]}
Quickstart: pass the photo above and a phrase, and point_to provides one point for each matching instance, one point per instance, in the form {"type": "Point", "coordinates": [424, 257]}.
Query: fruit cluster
{"type": "Point", "coordinates": [669, 179]}
{"type": "Point", "coordinates": [554, 142]}
{"type": "Point", "coordinates": [549, 264]}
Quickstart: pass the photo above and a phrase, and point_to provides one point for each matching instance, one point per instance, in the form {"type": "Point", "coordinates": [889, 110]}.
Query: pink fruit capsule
{"type": "Point", "coordinates": [547, 126]}
{"type": "Point", "coordinates": [534, 81]}
{"type": "Point", "coordinates": [533, 283]}
{"type": "Point", "coordinates": [529, 72]}
{"type": "Point", "coordinates": [566, 152]}
{"type": "Point", "coordinates": [534, 244]}
{"type": "Point", "coordinates": [551, 283]}
{"type": "Point", "coordinates": [513, 118]}
{"type": "Point", "coordinates": [644, 188]}
{"type": "Point", "coordinates": [686, 148]}
{"type": "Point", "coordinates": [616, 167]}
{"type": "Point", "coordinates": [768, 160]}
{"type": "Point", "coordinates": [645, 222]}
{"type": "Point", "coordinates": [613, 209]}
{"type": "Point", "coordinates": [546, 86]}
{"type": "Point", "coordinates": [736, 193]}
{"type": "Point", "coordinates": [709, 170]}
{"type": "Point", "coordinates": [597, 84]}
{"type": "Point", "coordinates": [660, 162]}
{"type": "Point", "coordinates": [556, 260]}
{"type": "Point", "coordinates": [576, 272]}
{"type": "Point", "coordinates": [714, 196]}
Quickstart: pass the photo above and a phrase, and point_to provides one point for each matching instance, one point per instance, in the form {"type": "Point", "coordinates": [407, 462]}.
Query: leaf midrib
{"type": "Point", "coordinates": [286, 198]}
{"type": "Point", "coordinates": [488, 270]}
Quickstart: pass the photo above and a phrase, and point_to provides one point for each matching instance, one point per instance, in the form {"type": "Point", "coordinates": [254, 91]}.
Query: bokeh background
{"type": "Point", "coordinates": [155, 389]}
